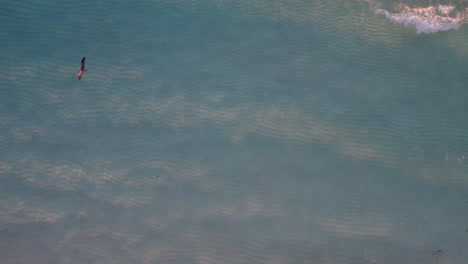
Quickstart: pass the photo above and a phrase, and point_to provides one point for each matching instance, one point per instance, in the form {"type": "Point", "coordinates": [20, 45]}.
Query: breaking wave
{"type": "Point", "coordinates": [429, 19]}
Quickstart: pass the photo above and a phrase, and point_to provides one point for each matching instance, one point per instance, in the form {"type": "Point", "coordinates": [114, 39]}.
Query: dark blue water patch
{"type": "Point", "coordinates": [27, 243]}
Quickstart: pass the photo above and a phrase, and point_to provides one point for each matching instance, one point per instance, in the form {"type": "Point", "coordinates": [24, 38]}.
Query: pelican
{"type": "Point", "coordinates": [82, 68]}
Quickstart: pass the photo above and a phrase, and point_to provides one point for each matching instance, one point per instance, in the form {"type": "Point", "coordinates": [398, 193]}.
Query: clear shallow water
{"type": "Point", "coordinates": [232, 132]}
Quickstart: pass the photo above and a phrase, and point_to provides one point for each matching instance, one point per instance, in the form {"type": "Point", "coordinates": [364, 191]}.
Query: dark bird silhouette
{"type": "Point", "coordinates": [82, 68]}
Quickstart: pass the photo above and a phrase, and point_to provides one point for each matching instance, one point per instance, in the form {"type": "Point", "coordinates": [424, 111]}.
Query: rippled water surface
{"type": "Point", "coordinates": [234, 132]}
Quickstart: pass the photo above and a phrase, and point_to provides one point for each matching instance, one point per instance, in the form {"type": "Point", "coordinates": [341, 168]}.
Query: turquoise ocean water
{"type": "Point", "coordinates": [238, 131]}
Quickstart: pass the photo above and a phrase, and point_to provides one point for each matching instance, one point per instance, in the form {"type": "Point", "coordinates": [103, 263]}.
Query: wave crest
{"type": "Point", "coordinates": [427, 19]}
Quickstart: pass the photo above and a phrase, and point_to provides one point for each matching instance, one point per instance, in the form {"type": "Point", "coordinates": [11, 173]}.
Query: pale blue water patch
{"type": "Point", "coordinates": [232, 132]}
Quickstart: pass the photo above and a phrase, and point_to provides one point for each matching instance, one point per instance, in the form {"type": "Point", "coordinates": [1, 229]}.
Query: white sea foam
{"type": "Point", "coordinates": [427, 19]}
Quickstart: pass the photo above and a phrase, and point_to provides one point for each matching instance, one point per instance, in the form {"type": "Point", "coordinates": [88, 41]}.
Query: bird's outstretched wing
{"type": "Point", "coordinates": [83, 63]}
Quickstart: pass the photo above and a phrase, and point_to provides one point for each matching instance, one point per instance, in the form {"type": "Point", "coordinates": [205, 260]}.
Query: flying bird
{"type": "Point", "coordinates": [82, 68]}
